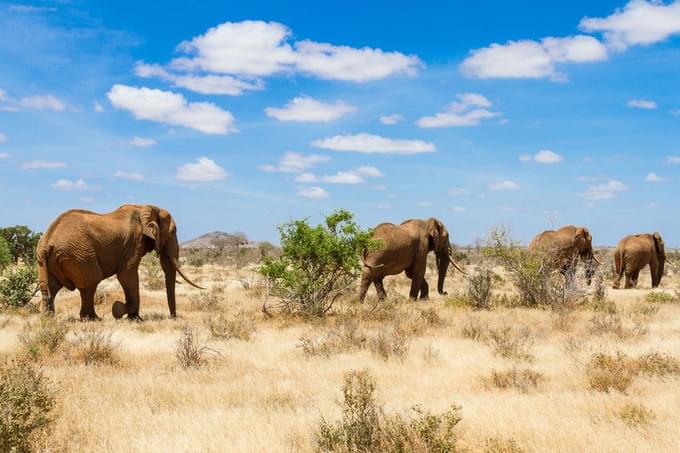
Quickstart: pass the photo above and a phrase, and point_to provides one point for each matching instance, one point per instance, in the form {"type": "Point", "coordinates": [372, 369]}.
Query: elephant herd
{"type": "Point", "coordinates": [82, 248]}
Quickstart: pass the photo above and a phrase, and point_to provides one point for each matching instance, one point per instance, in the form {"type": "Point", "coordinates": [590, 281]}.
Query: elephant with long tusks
{"type": "Point", "coordinates": [82, 248]}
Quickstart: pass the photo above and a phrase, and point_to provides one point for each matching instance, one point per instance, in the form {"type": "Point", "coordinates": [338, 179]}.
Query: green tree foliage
{"type": "Point", "coordinates": [5, 255]}
{"type": "Point", "coordinates": [17, 285]}
{"type": "Point", "coordinates": [21, 241]}
{"type": "Point", "coordinates": [318, 264]}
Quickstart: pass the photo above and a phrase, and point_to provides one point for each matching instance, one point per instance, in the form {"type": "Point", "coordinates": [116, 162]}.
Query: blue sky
{"type": "Point", "coordinates": [241, 116]}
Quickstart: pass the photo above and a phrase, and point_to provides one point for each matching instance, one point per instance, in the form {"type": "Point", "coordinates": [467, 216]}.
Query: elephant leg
{"type": "Point", "coordinates": [629, 280]}
{"type": "Point", "coordinates": [416, 284]}
{"type": "Point", "coordinates": [48, 300]}
{"type": "Point", "coordinates": [365, 283]}
{"type": "Point", "coordinates": [129, 280]}
{"type": "Point", "coordinates": [380, 288]}
{"type": "Point", "coordinates": [87, 312]}
{"type": "Point", "coordinates": [424, 290]}
{"type": "Point", "coordinates": [654, 270]}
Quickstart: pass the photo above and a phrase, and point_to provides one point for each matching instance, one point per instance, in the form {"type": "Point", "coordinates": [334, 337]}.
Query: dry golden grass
{"type": "Point", "coordinates": [260, 390]}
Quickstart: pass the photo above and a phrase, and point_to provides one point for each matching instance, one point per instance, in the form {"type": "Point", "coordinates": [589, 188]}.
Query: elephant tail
{"type": "Point", "coordinates": [370, 266]}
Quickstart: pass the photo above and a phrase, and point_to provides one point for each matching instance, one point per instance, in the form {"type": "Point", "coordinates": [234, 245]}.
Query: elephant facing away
{"type": "Point", "coordinates": [564, 247]}
{"type": "Point", "coordinates": [82, 248]}
{"type": "Point", "coordinates": [404, 249]}
{"type": "Point", "coordinates": [635, 252]}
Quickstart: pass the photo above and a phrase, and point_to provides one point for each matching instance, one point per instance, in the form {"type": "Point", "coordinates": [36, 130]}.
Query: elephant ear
{"type": "Point", "coordinates": [435, 230]}
{"type": "Point", "coordinates": [148, 216]}
{"type": "Point", "coordinates": [658, 243]}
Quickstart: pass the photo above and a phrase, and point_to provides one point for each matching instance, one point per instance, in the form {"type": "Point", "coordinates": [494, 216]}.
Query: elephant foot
{"type": "Point", "coordinates": [135, 318]}
{"type": "Point", "coordinates": [90, 317]}
{"type": "Point", "coordinates": [118, 309]}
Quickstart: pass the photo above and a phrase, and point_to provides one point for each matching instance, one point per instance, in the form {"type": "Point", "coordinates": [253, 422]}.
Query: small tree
{"type": "Point", "coordinates": [5, 254]}
{"type": "Point", "coordinates": [17, 285]}
{"type": "Point", "coordinates": [21, 241]}
{"type": "Point", "coordinates": [317, 264]}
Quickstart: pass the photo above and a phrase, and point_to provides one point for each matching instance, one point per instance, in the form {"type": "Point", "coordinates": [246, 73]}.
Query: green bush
{"type": "Point", "coordinates": [5, 254]}
{"type": "Point", "coordinates": [22, 242]}
{"type": "Point", "coordinates": [480, 287]}
{"type": "Point", "coordinates": [26, 401]}
{"type": "Point", "coordinates": [17, 285]}
{"type": "Point", "coordinates": [155, 278]}
{"type": "Point", "coordinates": [366, 428]}
{"type": "Point", "coordinates": [317, 264]}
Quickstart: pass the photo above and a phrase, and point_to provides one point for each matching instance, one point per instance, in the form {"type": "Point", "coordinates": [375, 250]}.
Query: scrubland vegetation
{"type": "Point", "coordinates": [508, 361]}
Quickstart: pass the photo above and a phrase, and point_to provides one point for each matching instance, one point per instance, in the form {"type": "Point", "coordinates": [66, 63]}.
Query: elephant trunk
{"type": "Point", "coordinates": [442, 268]}
{"type": "Point", "coordinates": [170, 279]}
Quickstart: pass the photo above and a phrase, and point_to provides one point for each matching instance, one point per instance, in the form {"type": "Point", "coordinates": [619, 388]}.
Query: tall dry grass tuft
{"type": "Point", "coordinates": [44, 337]}
{"type": "Point", "coordinates": [191, 352]}
{"type": "Point", "coordinates": [231, 327]}
{"type": "Point", "coordinates": [93, 346]}
{"type": "Point", "coordinates": [522, 379]}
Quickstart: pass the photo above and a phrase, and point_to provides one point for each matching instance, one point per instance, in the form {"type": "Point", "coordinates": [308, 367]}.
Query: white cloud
{"type": "Point", "coordinates": [458, 208]}
{"type": "Point", "coordinates": [313, 192]}
{"type": "Point", "coordinates": [673, 159]}
{"type": "Point", "coordinates": [43, 102]}
{"type": "Point", "coordinates": [604, 191]}
{"type": "Point", "coordinates": [504, 185]}
{"type": "Point", "coordinates": [306, 177]}
{"type": "Point", "coordinates": [143, 142]}
{"type": "Point", "coordinates": [4, 155]}
{"type": "Point", "coordinates": [293, 162]}
{"type": "Point", "coordinates": [424, 204]}
{"type": "Point", "coordinates": [469, 110]}
{"type": "Point", "coordinates": [42, 164]}
{"type": "Point", "coordinates": [367, 143]}
{"type": "Point", "coordinates": [641, 104]}
{"type": "Point", "coordinates": [653, 177]}
{"type": "Point", "coordinates": [456, 191]}
{"type": "Point", "coordinates": [383, 206]}
{"type": "Point", "coordinates": [97, 107]}
{"type": "Point", "coordinates": [204, 170]}
{"type": "Point", "coordinates": [31, 9]}
{"type": "Point", "coordinates": [130, 176]}
{"type": "Point", "coordinates": [544, 156]}
{"type": "Point", "coordinates": [532, 59]}
{"type": "Point", "coordinates": [343, 177]}
{"type": "Point", "coordinates": [171, 108]}
{"type": "Point", "coordinates": [638, 23]}
{"type": "Point", "coordinates": [306, 109]}
{"type": "Point", "coordinates": [3, 137]}
{"type": "Point", "coordinates": [257, 49]}
{"type": "Point", "coordinates": [391, 120]}
{"type": "Point", "coordinates": [369, 171]}
{"type": "Point", "coordinates": [66, 184]}
{"type": "Point", "coordinates": [207, 84]}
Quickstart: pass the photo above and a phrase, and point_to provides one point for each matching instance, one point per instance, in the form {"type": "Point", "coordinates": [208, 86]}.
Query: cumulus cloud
{"type": "Point", "coordinates": [42, 102]}
{"type": "Point", "coordinates": [369, 144]}
{"type": "Point", "coordinates": [640, 22]}
{"type": "Point", "coordinates": [68, 185]}
{"type": "Point", "coordinates": [293, 162]}
{"type": "Point", "coordinates": [143, 142]}
{"type": "Point", "coordinates": [653, 177]}
{"type": "Point", "coordinates": [391, 120]}
{"type": "Point", "coordinates": [5, 155]}
{"type": "Point", "coordinates": [356, 176]}
{"type": "Point", "coordinates": [133, 176]}
{"type": "Point", "coordinates": [171, 108]}
{"type": "Point", "coordinates": [343, 177]}
{"type": "Point", "coordinates": [203, 170]}
{"type": "Point", "coordinates": [307, 109]}
{"type": "Point", "coordinates": [469, 110]}
{"type": "Point", "coordinates": [673, 159]}
{"type": "Point", "coordinates": [306, 178]}
{"type": "Point", "coordinates": [532, 59]}
{"type": "Point", "coordinates": [313, 192]}
{"type": "Point", "coordinates": [544, 156]}
{"type": "Point", "coordinates": [641, 104]}
{"type": "Point", "coordinates": [504, 185]}
{"type": "Point", "coordinates": [605, 190]}
{"type": "Point", "coordinates": [42, 164]}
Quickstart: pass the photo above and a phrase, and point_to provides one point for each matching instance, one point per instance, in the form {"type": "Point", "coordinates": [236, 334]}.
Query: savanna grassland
{"type": "Point", "coordinates": [596, 375]}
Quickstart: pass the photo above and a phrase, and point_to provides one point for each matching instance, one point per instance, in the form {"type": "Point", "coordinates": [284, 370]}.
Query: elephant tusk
{"type": "Point", "coordinates": [370, 266]}
{"type": "Point", "coordinates": [596, 260]}
{"type": "Point", "coordinates": [673, 265]}
{"type": "Point", "coordinates": [175, 264]}
{"type": "Point", "coordinates": [456, 266]}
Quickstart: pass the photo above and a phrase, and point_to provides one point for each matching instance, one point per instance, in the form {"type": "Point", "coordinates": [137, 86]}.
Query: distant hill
{"type": "Point", "coordinates": [216, 239]}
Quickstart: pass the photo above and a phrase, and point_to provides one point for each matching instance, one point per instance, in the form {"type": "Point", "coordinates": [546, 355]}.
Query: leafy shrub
{"type": "Point", "coordinates": [239, 327]}
{"type": "Point", "coordinates": [522, 379]}
{"type": "Point", "coordinates": [17, 285]}
{"type": "Point", "coordinates": [660, 297]}
{"type": "Point", "coordinates": [44, 337]}
{"type": "Point", "coordinates": [634, 415]}
{"type": "Point", "coordinates": [26, 402]}
{"type": "Point", "coordinates": [155, 278]}
{"type": "Point", "coordinates": [317, 264]}
{"type": "Point", "coordinates": [5, 255]}
{"type": "Point", "coordinates": [93, 346]}
{"type": "Point", "coordinates": [480, 287]}
{"type": "Point", "coordinates": [191, 352]}
{"type": "Point", "coordinates": [22, 243]}
{"type": "Point", "coordinates": [365, 427]}
{"type": "Point", "coordinates": [532, 273]}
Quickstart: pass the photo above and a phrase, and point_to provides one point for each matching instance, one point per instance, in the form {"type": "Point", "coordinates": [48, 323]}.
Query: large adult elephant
{"type": "Point", "coordinates": [82, 248]}
{"type": "Point", "coordinates": [634, 253]}
{"type": "Point", "coordinates": [405, 248]}
{"type": "Point", "coordinates": [564, 247]}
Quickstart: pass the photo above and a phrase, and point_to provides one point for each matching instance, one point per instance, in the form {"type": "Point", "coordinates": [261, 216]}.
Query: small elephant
{"type": "Point", "coordinates": [634, 253]}
{"type": "Point", "coordinates": [82, 248]}
{"type": "Point", "coordinates": [564, 247]}
{"type": "Point", "coordinates": [404, 249]}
